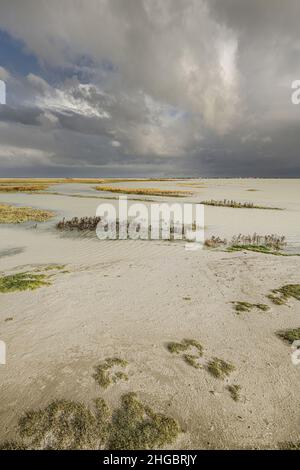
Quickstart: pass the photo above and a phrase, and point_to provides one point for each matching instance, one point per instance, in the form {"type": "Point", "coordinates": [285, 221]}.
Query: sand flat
{"type": "Point", "coordinates": [130, 298]}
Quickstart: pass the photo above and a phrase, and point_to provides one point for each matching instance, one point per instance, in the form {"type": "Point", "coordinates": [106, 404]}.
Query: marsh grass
{"type": "Point", "coordinates": [106, 373]}
{"type": "Point", "coordinates": [22, 281]}
{"type": "Point", "coordinates": [270, 244]}
{"type": "Point", "coordinates": [283, 294]}
{"type": "Point", "coordinates": [144, 191]}
{"type": "Point", "coordinates": [79, 223]}
{"type": "Point", "coordinates": [69, 425]}
{"type": "Point", "coordinates": [15, 215]}
{"type": "Point", "coordinates": [25, 188]}
{"type": "Point", "coordinates": [289, 335]}
{"type": "Point", "coordinates": [220, 368]}
{"type": "Point", "coordinates": [234, 391]}
{"type": "Point", "coordinates": [236, 204]}
{"type": "Point", "coordinates": [247, 306]}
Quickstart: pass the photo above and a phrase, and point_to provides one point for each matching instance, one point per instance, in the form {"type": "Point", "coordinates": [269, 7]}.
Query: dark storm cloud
{"type": "Point", "coordinates": [159, 87]}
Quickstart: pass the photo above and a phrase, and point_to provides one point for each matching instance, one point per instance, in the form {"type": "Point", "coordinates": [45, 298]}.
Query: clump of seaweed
{"type": "Point", "coordinates": [234, 391]}
{"type": "Point", "coordinates": [247, 307]}
{"type": "Point", "coordinates": [236, 204]}
{"type": "Point", "coordinates": [136, 426]}
{"type": "Point", "coordinates": [69, 425]}
{"type": "Point", "coordinates": [22, 281]}
{"type": "Point", "coordinates": [16, 215]}
{"type": "Point", "coordinates": [290, 335]}
{"type": "Point", "coordinates": [105, 376]}
{"type": "Point", "coordinates": [220, 368]}
{"type": "Point", "coordinates": [283, 294]}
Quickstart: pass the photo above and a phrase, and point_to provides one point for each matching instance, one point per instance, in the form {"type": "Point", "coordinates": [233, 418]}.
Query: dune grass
{"type": "Point", "coordinates": [22, 281]}
{"type": "Point", "coordinates": [16, 215]}
{"type": "Point", "coordinates": [220, 368]}
{"type": "Point", "coordinates": [236, 204]}
{"type": "Point", "coordinates": [106, 373]}
{"type": "Point", "coordinates": [289, 335]}
{"type": "Point", "coordinates": [144, 191]}
{"type": "Point", "coordinates": [69, 425]}
{"type": "Point", "coordinates": [283, 294]}
{"type": "Point", "coordinates": [247, 306]}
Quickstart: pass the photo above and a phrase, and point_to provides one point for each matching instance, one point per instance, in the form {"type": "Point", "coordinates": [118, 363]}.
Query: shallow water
{"type": "Point", "coordinates": [221, 221]}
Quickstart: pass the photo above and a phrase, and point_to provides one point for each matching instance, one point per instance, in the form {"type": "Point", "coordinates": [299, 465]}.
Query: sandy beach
{"type": "Point", "coordinates": [130, 298]}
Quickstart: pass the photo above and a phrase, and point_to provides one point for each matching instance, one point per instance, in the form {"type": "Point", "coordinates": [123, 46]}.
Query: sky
{"type": "Point", "coordinates": [195, 88]}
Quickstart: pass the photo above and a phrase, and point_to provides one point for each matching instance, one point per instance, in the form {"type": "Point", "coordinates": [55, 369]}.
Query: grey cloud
{"type": "Point", "coordinates": [189, 86]}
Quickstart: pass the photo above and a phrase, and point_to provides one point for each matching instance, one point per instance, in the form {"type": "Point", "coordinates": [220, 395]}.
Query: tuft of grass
{"type": "Point", "coordinates": [220, 368]}
{"type": "Point", "coordinates": [185, 344]}
{"type": "Point", "coordinates": [234, 391]}
{"type": "Point", "coordinates": [22, 281]}
{"type": "Point", "coordinates": [236, 204]}
{"type": "Point", "coordinates": [247, 307]}
{"type": "Point", "coordinates": [136, 426]}
{"type": "Point", "coordinates": [103, 374]}
{"type": "Point", "coordinates": [16, 215]}
{"type": "Point", "coordinates": [144, 191]}
{"type": "Point", "coordinates": [283, 294]}
{"type": "Point", "coordinates": [290, 335]}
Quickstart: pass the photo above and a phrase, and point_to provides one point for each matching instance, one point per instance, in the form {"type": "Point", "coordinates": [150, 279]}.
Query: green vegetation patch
{"type": "Point", "coordinates": [188, 346]}
{"type": "Point", "coordinates": [69, 425]}
{"type": "Point", "coordinates": [16, 215]}
{"type": "Point", "coordinates": [184, 345]}
{"type": "Point", "coordinates": [247, 307]}
{"type": "Point", "coordinates": [107, 372]}
{"type": "Point", "coordinates": [136, 426]}
{"type": "Point", "coordinates": [220, 368]}
{"type": "Point", "coordinates": [22, 281]}
{"type": "Point", "coordinates": [63, 425]}
{"type": "Point", "coordinates": [283, 294]}
{"type": "Point", "coordinates": [289, 335]}
{"type": "Point", "coordinates": [234, 391]}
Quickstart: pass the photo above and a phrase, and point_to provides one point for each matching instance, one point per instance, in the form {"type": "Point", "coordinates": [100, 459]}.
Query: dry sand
{"type": "Point", "coordinates": [129, 298]}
